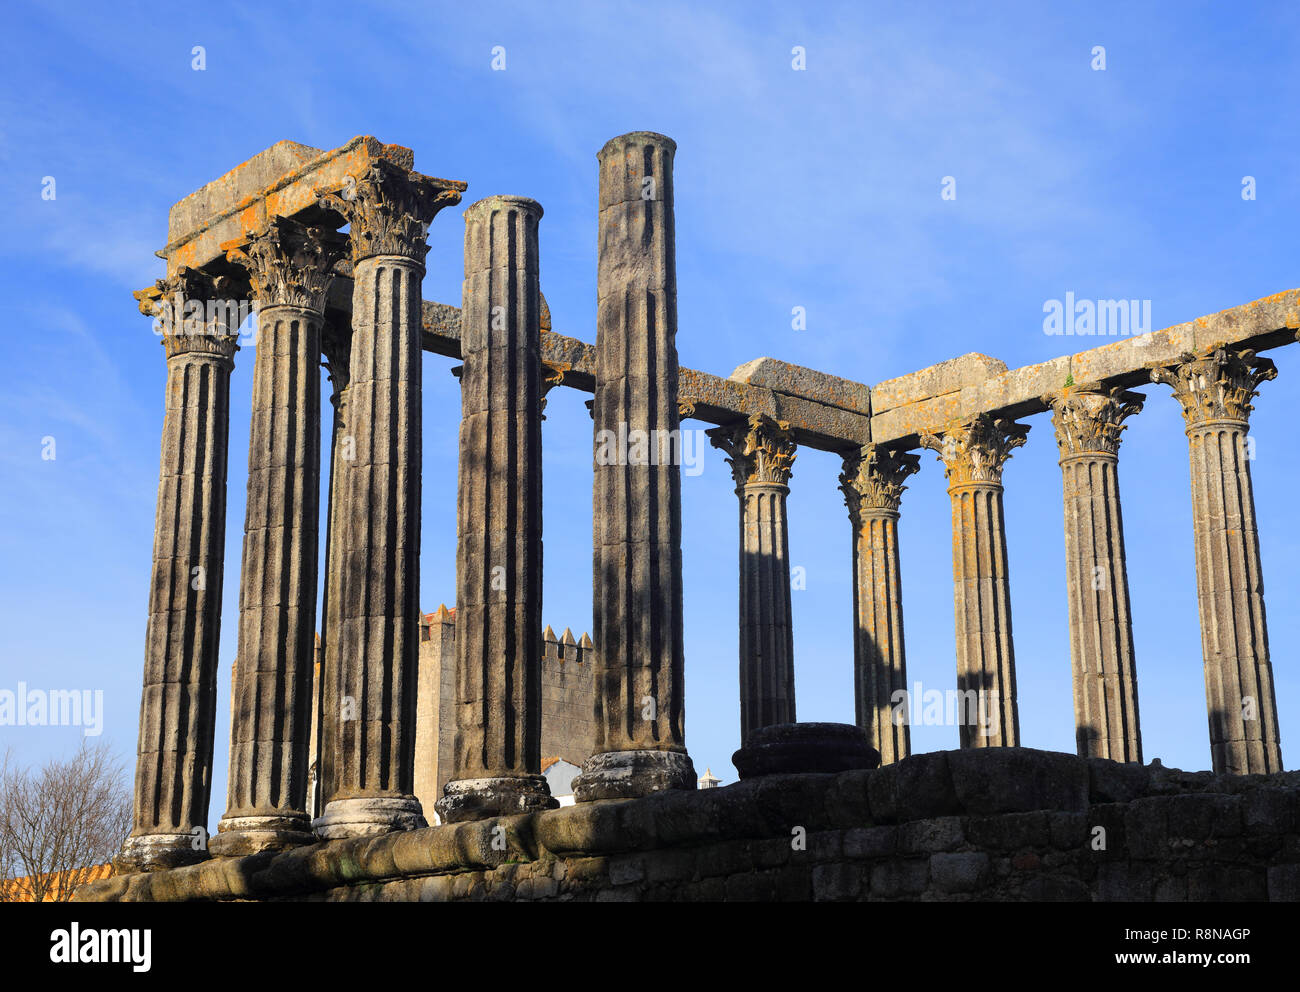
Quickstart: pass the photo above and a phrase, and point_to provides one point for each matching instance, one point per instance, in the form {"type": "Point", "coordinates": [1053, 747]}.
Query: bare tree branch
{"type": "Point", "coordinates": [57, 824]}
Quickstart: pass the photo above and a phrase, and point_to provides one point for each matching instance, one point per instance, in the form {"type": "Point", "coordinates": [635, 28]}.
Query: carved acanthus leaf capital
{"type": "Point", "coordinates": [195, 312]}
{"type": "Point", "coordinates": [760, 450]}
{"type": "Point", "coordinates": [873, 478]}
{"type": "Point", "coordinates": [390, 209]}
{"type": "Point", "coordinates": [1091, 419]}
{"type": "Point", "coordinates": [336, 347]}
{"type": "Point", "coordinates": [978, 450]}
{"type": "Point", "coordinates": [289, 263]}
{"type": "Point", "coordinates": [1217, 384]}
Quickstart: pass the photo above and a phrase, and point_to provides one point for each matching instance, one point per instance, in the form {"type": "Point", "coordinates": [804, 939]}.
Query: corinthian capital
{"type": "Point", "coordinates": [1217, 384]}
{"type": "Point", "coordinates": [760, 450]}
{"type": "Point", "coordinates": [289, 263]}
{"type": "Point", "coordinates": [873, 478]}
{"type": "Point", "coordinates": [390, 209]}
{"type": "Point", "coordinates": [194, 312]}
{"type": "Point", "coordinates": [1091, 419]}
{"type": "Point", "coordinates": [977, 450]}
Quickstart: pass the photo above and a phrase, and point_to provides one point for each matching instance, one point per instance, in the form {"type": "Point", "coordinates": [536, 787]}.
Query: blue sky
{"type": "Point", "coordinates": [817, 188]}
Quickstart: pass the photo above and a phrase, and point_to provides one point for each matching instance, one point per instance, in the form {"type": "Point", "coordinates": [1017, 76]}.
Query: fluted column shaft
{"type": "Point", "coordinates": [497, 750]}
{"type": "Point", "coordinates": [336, 346]}
{"type": "Point", "coordinates": [762, 452]}
{"type": "Point", "coordinates": [973, 455]}
{"type": "Point", "coordinates": [1088, 426]}
{"type": "Point", "coordinates": [290, 267]}
{"type": "Point", "coordinates": [1215, 388]}
{"type": "Point", "coordinates": [872, 482]}
{"type": "Point", "coordinates": [173, 772]}
{"type": "Point", "coordinates": [637, 566]}
{"type": "Point", "coordinates": [372, 655]}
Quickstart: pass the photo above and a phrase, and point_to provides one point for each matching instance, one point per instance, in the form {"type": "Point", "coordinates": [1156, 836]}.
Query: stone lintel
{"type": "Point", "coordinates": [1263, 324]}
{"type": "Point", "coordinates": [702, 396]}
{"type": "Point", "coordinates": [281, 181]}
{"type": "Point", "coordinates": [943, 379]}
{"type": "Point", "coordinates": [796, 380]}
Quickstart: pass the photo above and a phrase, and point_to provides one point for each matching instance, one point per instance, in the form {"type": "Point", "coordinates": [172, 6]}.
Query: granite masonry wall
{"type": "Point", "coordinates": [979, 824]}
{"type": "Point", "coordinates": [568, 691]}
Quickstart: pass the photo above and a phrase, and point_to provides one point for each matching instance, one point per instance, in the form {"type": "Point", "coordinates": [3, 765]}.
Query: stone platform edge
{"type": "Point", "coordinates": [945, 824]}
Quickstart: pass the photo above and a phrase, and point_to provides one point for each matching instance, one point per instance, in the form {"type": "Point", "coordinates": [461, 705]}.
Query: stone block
{"type": "Point", "coordinates": [1227, 883]}
{"type": "Point", "coordinates": [925, 786]}
{"type": "Point", "coordinates": [1146, 828]}
{"type": "Point", "coordinates": [1014, 780]}
{"type": "Point", "coordinates": [1284, 883]}
{"type": "Point", "coordinates": [947, 377]}
{"type": "Point", "coordinates": [1115, 781]}
{"type": "Point", "coordinates": [808, 383]}
{"type": "Point", "coordinates": [622, 871]}
{"type": "Point", "coordinates": [1009, 831]}
{"type": "Point", "coordinates": [1068, 830]}
{"type": "Point", "coordinates": [836, 882]}
{"type": "Point", "coordinates": [751, 886]}
{"type": "Point", "coordinates": [938, 834]}
{"type": "Point", "coordinates": [871, 842]}
{"type": "Point", "coordinates": [961, 872]}
{"type": "Point", "coordinates": [1198, 817]}
{"type": "Point", "coordinates": [899, 878]}
{"type": "Point", "coordinates": [847, 800]}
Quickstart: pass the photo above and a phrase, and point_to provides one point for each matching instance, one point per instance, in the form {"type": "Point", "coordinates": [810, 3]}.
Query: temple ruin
{"type": "Point", "coordinates": [269, 232]}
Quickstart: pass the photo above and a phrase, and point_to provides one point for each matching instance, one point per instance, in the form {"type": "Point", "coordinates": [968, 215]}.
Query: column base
{"type": "Point", "coordinates": [158, 852]}
{"type": "Point", "coordinates": [632, 774]}
{"type": "Point", "coordinates": [242, 835]}
{"type": "Point", "coordinates": [479, 798]}
{"type": "Point", "coordinates": [368, 816]}
{"type": "Point", "coordinates": [786, 748]}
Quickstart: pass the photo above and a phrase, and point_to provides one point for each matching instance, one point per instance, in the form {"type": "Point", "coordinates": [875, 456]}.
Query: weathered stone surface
{"type": "Point", "coordinates": [964, 872]}
{"type": "Point", "coordinates": [178, 706]}
{"type": "Point", "coordinates": [973, 455]}
{"type": "Point", "coordinates": [637, 563]}
{"type": "Point", "coordinates": [1088, 425]}
{"type": "Point", "coordinates": [368, 701]}
{"type": "Point", "coordinates": [290, 267]}
{"type": "Point", "coordinates": [796, 380]}
{"type": "Point", "coordinates": [1015, 780]}
{"type": "Point", "coordinates": [761, 452]}
{"type": "Point", "coordinates": [1214, 389]}
{"type": "Point", "coordinates": [498, 704]}
{"type": "Point", "coordinates": [782, 749]}
{"type": "Point", "coordinates": [1174, 840]}
{"type": "Point", "coordinates": [872, 483]}
{"type": "Point", "coordinates": [938, 380]}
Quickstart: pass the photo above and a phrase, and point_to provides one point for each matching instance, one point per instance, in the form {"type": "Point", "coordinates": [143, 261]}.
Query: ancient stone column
{"type": "Point", "coordinates": [498, 741]}
{"type": "Point", "coordinates": [973, 455]}
{"type": "Point", "coordinates": [173, 772]}
{"type": "Point", "coordinates": [290, 267]}
{"type": "Point", "coordinates": [637, 519]}
{"type": "Point", "coordinates": [872, 482]}
{"type": "Point", "coordinates": [368, 715]}
{"type": "Point", "coordinates": [761, 453]}
{"type": "Point", "coordinates": [336, 346]}
{"type": "Point", "coordinates": [1088, 425]}
{"type": "Point", "coordinates": [1215, 388]}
